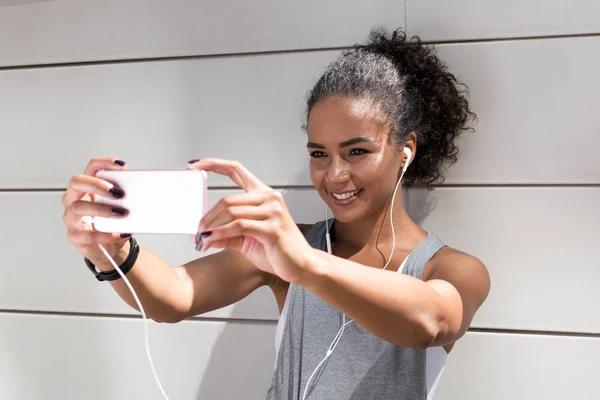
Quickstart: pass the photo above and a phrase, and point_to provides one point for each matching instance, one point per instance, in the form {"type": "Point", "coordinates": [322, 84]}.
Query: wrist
{"type": "Point", "coordinates": [119, 270]}
{"type": "Point", "coordinates": [104, 265]}
{"type": "Point", "coordinates": [313, 268]}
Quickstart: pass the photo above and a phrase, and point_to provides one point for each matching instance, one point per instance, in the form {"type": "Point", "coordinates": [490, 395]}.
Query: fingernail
{"type": "Point", "coordinates": [193, 161]}
{"type": "Point", "coordinates": [120, 162]}
{"type": "Point", "coordinates": [119, 211]}
{"type": "Point", "coordinates": [198, 241]}
{"type": "Point", "coordinates": [125, 235]}
{"type": "Point", "coordinates": [205, 234]}
{"type": "Point", "coordinates": [116, 192]}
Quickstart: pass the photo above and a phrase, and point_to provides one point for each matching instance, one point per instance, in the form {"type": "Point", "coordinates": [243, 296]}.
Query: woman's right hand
{"type": "Point", "coordinates": [78, 204]}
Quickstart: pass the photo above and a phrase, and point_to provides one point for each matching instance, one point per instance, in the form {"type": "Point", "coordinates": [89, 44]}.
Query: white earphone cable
{"type": "Point", "coordinates": [141, 308]}
{"type": "Point", "coordinates": [338, 336]}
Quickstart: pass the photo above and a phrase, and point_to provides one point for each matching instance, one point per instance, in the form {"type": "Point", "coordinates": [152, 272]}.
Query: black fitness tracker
{"type": "Point", "coordinates": [125, 267]}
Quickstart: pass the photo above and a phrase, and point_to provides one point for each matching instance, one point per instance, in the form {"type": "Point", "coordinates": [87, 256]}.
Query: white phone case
{"type": "Point", "coordinates": [158, 201]}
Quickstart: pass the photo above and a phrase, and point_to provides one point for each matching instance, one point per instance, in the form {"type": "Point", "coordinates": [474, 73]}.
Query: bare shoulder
{"type": "Point", "coordinates": [448, 258]}
{"type": "Point", "coordinates": [459, 268]}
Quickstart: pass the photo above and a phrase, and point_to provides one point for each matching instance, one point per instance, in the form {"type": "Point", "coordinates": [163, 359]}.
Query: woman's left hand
{"type": "Point", "coordinates": [256, 223]}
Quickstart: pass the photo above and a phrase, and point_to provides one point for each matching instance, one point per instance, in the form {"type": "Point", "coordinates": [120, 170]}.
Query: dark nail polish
{"type": "Point", "coordinates": [119, 211]}
{"type": "Point", "coordinates": [120, 162]}
{"type": "Point", "coordinates": [193, 161]}
{"type": "Point", "coordinates": [198, 241]}
{"type": "Point", "coordinates": [125, 235]}
{"type": "Point", "coordinates": [116, 192]}
{"type": "Point", "coordinates": [205, 234]}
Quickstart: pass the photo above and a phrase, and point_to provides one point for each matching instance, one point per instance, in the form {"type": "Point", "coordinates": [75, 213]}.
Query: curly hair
{"type": "Point", "coordinates": [414, 90]}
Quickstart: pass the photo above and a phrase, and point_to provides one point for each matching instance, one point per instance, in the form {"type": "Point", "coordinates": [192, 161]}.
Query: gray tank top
{"type": "Point", "coordinates": [362, 366]}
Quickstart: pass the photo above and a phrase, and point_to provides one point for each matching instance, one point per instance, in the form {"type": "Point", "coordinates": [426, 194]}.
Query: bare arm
{"type": "Point", "coordinates": [173, 294]}
{"type": "Point", "coordinates": [206, 284]}
{"type": "Point", "coordinates": [399, 308]}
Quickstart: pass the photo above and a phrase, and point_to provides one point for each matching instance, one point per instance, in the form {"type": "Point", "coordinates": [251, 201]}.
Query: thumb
{"type": "Point", "coordinates": [235, 243]}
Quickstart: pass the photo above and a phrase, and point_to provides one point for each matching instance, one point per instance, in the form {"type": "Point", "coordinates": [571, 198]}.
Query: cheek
{"type": "Point", "coordinates": [316, 175]}
{"type": "Point", "coordinates": [381, 177]}
{"type": "Point", "coordinates": [375, 172]}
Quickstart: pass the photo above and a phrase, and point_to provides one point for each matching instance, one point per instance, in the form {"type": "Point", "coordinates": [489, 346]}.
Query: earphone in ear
{"type": "Point", "coordinates": [408, 159]}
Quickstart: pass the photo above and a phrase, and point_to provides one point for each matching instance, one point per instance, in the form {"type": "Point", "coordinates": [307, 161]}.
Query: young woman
{"type": "Point", "coordinates": [351, 326]}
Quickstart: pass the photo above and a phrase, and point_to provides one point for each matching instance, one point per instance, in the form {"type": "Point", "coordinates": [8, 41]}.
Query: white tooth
{"type": "Point", "coordinates": [345, 195]}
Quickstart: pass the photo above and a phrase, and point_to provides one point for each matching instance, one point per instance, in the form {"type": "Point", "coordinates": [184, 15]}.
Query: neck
{"type": "Point", "coordinates": [375, 230]}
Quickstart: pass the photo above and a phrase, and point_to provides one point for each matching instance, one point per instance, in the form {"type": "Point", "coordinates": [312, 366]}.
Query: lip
{"type": "Point", "coordinates": [344, 202]}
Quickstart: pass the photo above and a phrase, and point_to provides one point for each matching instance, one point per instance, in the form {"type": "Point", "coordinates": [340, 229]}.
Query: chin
{"type": "Point", "coordinates": [347, 215]}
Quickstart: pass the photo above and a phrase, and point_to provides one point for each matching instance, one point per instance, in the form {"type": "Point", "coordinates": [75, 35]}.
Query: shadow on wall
{"type": "Point", "coordinates": [242, 362]}
{"type": "Point", "coordinates": [419, 203]}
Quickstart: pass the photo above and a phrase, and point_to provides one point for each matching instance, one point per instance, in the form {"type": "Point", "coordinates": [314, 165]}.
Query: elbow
{"type": "Point", "coordinates": [423, 335]}
{"type": "Point", "coordinates": [177, 309]}
{"type": "Point", "coordinates": [427, 332]}
{"type": "Point", "coordinates": [425, 340]}
{"type": "Point", "coordinates": [170, 316]}
{"type": "Point", "coordinates": [169, 319]}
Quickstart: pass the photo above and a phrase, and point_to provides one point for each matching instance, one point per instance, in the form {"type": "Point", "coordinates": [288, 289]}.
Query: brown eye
{"type": "Point", "coordinates": [358, 152]}
{"type": "Point", "coordinates": [317, 154]}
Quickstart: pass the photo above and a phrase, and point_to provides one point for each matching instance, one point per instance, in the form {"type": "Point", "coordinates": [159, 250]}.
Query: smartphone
{"type": "Point", "coordinates": [159, 201]}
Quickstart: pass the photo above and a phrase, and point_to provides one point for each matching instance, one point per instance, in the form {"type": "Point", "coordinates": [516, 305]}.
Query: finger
{"type": "Point", "coordinates": [233, 169]}
{"type": "Point", "coordinates": [90, 238]}
{"type": "Point", "coordinates": [84, 184]}
{"type": "Point", "coordinates": [98, 163]}
{"type": "Point", "coordinates": [235, 243]}
{"type": "Point", "coordinates": [230, 214]}
{"type": "Point", "coordinates": [82, 208]}
{"type": "Point", "coordinates": [260, 230]}
{"type": "Point", "coordinates": [235, 200]}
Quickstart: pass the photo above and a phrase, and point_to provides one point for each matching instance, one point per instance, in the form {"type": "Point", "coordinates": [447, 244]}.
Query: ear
{"type": "Point", "coordinates": [411, 144]}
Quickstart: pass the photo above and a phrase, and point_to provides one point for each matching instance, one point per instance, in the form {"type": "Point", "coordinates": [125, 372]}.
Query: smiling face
{"type": "Point", "coordinates": [354, 165]}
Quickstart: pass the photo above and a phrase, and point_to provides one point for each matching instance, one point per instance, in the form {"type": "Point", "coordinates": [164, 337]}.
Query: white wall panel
{"type": "Point", "coordinates": [485, 19]}
{"type": "Point", "coordinates": [538, 115]}
{"type": "Point", "coordinates": [538, 244]}
{"type": "Point", "coordinates": [55, 357]}
{"type": "Point", "coordinates": [535, 109]}
{"type": "Point", "coordinates": [521, 367]}
{"type": "Point", "coordinates": [69, 358]}
{"type": "Point", "coordinates": [158, 114]}
{"type": "Point", "coordinates": [69, 31]}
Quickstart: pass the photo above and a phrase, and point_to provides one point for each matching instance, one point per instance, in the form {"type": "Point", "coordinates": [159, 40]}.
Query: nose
{"type": "Point", "coordinates": [337, 173]}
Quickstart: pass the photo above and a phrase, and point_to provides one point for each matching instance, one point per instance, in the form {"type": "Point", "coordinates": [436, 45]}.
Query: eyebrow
{"type": "Point", "coordinates": [360, 139]}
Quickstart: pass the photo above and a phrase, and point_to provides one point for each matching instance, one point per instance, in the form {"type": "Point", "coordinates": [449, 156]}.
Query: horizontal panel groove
{"type": "Point", "coordinates": [513, 38]}
{"type": "Point", "coordinates": [534, 332]}
{"type": "Point", "coordinates": [58, 190]}
{"type": "Point", "coordinates": [275, 52]}
{"type": "Point", "coordinates": [274, 322]}
{"type": "Point", "coordinates": [135, 316]}
{"type": "Point", "coordinates": [511, 185]}
{"type": "Point", "coordinates": [308, 187]}
{"type": "Point", "coordinates": [168, 58]}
